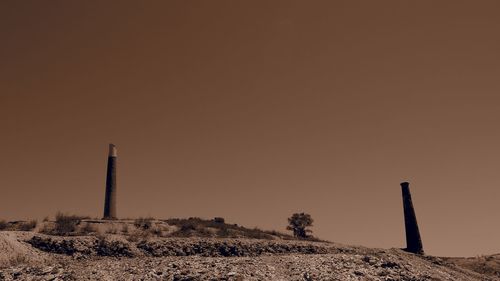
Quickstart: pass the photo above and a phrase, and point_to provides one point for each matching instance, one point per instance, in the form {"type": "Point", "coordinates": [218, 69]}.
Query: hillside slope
{"type": "Point", "coordinates": [112, 257]}
{"type": "Point", "coordinates": [489, 264]}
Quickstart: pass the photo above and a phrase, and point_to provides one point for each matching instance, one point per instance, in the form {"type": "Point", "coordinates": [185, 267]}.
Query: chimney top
{"type": "Point", "coordinates": [112, 150]}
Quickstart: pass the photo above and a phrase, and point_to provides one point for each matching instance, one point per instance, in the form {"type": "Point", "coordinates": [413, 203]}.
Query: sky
{"type": "Point", "coordinates": [254, 110]}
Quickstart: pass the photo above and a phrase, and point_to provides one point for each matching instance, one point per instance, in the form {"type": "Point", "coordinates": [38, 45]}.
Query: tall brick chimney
{"type": "Point", "coordinates": [110, 197]}
{"type": "Point", "coordinates": [413, 240]}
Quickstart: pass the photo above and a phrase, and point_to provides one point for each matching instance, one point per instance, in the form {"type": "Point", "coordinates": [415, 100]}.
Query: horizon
{"type": "Point", "coordinates": [255, 111]}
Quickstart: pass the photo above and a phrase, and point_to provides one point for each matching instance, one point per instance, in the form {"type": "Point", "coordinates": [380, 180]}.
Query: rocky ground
{"type": "Point", "coordinates": [276, 267]}
{"type": "Point", "coordinates": [34, 256]}
{"type": "Point", "coordinates": [489, 264]}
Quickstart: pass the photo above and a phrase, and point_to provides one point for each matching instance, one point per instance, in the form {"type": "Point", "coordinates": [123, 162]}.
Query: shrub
{"type": "Point", "coordinates": [3, 225]}
{"type": "Point", "coordinates": [224, 232]}
{"type": "Point", "coordinates": [27, 226]}
{"type": "Point", "coordinates": [257, 233]}
{"type": "Point", "coordinates": [298, 223]}
{"type": "Point", "coordinates": [87, 229]}
{"type": "Point", "coordinates": [46, 229]}
{"type": "Point", "coordinates": [204, 232]}
{"type": "Point", "coordinates": [66, 224]}
{"type": "Point", "coordinates": [187, 227]}
{"type": "Point", "coordinates": [219, 220]}
{"type": "Point", "coordinates": [216, 226]}
{"type": "Point", "coordinates": [143, 223]}
{"type": "Point", "coordinates": [125, 228]}
{"type": "Point", "coordinates": [192, 227]}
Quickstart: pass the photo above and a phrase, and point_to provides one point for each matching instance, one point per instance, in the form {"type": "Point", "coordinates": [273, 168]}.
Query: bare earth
{"type": "Point", "coordinates": [34, 256]}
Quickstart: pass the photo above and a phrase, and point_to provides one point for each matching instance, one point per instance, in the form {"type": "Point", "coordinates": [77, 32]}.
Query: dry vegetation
{"type": "Point", "coordinates": [18, 225]}
{"type": "Point", "coordinates": [65, 225]}
{"type": "Point", "coordinates": [144, 228]}
{"type": "Point", "coordinates": [3, 225]}
{"type": "Point", "coordinates": [77, 235]}
{"type": "Point", "coordinates": [197, 227]}
{"type": "Point", "coordinates": [71, 225]}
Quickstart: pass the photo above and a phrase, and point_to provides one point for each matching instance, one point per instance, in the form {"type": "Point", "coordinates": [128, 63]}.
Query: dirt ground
{"type": "Point", "coordinates": [80, 258]}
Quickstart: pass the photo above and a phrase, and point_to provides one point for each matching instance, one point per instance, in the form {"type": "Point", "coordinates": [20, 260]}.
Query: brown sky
{"type": "Point", "coordinates": [252, 110]}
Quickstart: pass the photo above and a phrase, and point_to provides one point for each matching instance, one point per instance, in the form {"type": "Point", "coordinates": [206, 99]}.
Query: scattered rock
{"type": "Point", "coordinates": [200, 259]}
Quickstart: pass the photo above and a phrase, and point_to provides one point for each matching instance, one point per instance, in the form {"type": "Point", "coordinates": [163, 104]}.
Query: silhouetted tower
{"type": "Point", "coordinates": [413, 240]}
{"type": "Point", "coordinates": [110, 197]}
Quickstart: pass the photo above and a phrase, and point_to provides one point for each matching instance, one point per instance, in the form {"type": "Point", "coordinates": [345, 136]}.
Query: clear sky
{"type": "Point", "coordinates": [253, 110]}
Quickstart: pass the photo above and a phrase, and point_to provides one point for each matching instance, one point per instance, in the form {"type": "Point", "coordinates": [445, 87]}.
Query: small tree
{"type": "Point", "coordinates": [298, 223]}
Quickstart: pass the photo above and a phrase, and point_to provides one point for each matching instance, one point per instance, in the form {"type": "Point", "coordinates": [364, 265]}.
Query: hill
{"type": "Point", "coordinates": [196, 249]}
{"type": "Point", "coordinates": [488, 264]}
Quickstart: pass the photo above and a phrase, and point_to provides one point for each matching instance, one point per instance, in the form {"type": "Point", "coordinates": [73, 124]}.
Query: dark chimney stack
{"type": "Point", "coordinates": [413, 240]}
{"type": "Point", "coordinates": [110, 198]}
